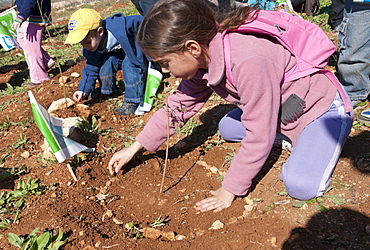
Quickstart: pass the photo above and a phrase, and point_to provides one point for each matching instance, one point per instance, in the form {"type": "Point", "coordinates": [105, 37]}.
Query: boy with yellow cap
{"type": "Point", "coordinates": [108, 46]}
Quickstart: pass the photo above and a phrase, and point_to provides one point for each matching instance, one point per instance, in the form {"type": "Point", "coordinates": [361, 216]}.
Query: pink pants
{"type": "Point", "coordinates": [30, 39]}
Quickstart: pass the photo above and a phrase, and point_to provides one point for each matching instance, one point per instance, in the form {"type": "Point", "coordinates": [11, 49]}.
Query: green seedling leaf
{"type": "Point", "coordinates": [299, 203]}
{"type": "Point", "coordinates": [15, 240]}
{"type": "Point", "coordinates": [321, 208]}
{"type": "Point", "coordinates": [336, 199]}
{"type": "Point", "coordinates": [283, 193]}
{"type": "Point", "coordinates": [43, 240]}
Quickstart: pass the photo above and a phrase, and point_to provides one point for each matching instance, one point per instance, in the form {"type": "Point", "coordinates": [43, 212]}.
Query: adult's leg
{"type": "Point", "coordinates": [354, 54]}
{"type": "Point", "coordinates": [30, 39]}
{"type": "Point", "coordinates": [108, 71]}
{"type": "Point", "coordinates": [307, 172]}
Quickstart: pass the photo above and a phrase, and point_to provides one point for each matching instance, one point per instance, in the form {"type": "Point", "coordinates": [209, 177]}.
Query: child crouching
{"type": "Point", "coordinates": [108, 46]}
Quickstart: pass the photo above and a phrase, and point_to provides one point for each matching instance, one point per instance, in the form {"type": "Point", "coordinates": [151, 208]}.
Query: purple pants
{"type": "Point", "coordinates": [30, 39]}
{"type": "Point", "coordinates": [306, 174]}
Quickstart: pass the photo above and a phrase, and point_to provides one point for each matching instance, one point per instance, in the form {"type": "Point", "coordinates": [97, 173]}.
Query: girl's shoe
{"type": "Point", "coordinates": [127, 108]}
{"type": "Point", "coordinates": [364, 116]}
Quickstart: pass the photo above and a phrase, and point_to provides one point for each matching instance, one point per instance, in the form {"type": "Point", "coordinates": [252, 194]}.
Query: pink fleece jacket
{"type": "Point", "coordinates": [258, 67]}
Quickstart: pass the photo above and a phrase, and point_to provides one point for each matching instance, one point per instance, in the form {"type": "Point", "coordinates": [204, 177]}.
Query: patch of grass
{"type": "Point", "coordinates": [10, 90]}
{"type": "Point", "coordinates": [322, 17]}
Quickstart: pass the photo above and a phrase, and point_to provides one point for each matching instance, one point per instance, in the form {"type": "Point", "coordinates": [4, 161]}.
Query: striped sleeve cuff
{"type": "Point", "coordinates": [19, 19]}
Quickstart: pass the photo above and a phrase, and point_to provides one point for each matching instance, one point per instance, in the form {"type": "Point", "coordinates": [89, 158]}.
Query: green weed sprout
{"type": "Point", "coordinates": [159, 222]}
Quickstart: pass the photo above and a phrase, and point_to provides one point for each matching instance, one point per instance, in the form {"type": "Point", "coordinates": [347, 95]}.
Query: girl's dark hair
{"type": "Point", "coordinates": [170, 23]}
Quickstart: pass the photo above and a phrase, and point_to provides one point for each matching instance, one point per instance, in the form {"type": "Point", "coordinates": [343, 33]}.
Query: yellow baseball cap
{"type": "Point", "coordinates": [80, 23]}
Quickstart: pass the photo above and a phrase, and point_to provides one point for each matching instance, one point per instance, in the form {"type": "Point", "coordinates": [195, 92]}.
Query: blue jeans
{"type": "Point", "coordinates": [108, 71]}
{"type": "Point", "coordinates": [354, 54]}
{"type": "Point", "coordinates": [134, 77]}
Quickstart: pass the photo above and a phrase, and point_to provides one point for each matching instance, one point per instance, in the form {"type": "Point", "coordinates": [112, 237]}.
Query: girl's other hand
{"type": "Point", "coordinates": [122, 157]}
{"type": "Point", "coordinates": [221, 199]}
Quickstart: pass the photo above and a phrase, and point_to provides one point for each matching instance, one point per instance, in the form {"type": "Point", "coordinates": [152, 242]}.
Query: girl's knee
{"type": "Point", "coordinates": [302, 189]}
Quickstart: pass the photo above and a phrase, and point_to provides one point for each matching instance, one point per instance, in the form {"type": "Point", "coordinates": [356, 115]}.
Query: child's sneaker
{"type": "Point", "coordinates": [359, 104]}
{"type": "Point", "coordinates": [364, 116]}
{"type": "Point", "coordinates": [127, 108]}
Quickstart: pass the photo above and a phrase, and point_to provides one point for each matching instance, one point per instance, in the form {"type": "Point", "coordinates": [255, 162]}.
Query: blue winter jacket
{"type": "Point", "coordinates": [37, 11]}
{"type": "Point", "coordinates": [123, 29]}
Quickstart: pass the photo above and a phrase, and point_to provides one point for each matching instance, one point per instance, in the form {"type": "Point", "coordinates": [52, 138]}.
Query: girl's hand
{"type": "Point", "coordinates": [221, 199]}
{"type": "Point", "coordinates": [79, 95]}
{"type": "Point", "coordinates": [122, 157]}
{"type": "Point", "coordinates": [15, 26]}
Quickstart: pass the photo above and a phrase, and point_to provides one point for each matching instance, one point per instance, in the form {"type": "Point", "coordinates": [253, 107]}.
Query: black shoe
{"type": "Point", "coordinates": [127, 108]}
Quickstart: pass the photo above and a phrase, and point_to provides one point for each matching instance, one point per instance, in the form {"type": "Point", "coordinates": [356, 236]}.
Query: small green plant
{"type": "Point", "coordinates": [221, 178]}
{"type": "Point", "coordinates": [215, 143]}
{"type": "Point", "coordinates": [188, 128]}
{"type": "Point", "coordinates": [21, 142]}
{"type": "Point", "coordinates": [88, 128]}
{"type": "Point", "coordinates": [46, 161]}
{"type": "Point", "coordinates": [4, 223]}
{"type": "Point", "coordinates": [134, 230]}
{"type": "Point", "coordinates": [270, 208]}
{"type": "Point", "coordinates": [10, 90]}
{"type": "Point", "coordinates": [13, 202]}
{"type": "Point", "coordinates": [49, 240]}
{"type": "Point", "coordinates": [283, 193]}
{"type": "Point", "coordinates": [13, 173]}
{"type": "Point", "coordinates": [159, 222]}
{"type": "Point", "coordinates": [23, 124]}
{"type": "Point", "coordinates": [230, 155]}
{"type": "Point", "coordinates": [6, 124]}
{"type": "Point", "coordinates": [5, 156]}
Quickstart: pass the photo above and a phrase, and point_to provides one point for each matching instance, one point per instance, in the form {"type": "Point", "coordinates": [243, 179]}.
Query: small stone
{"type": "Point", "coordinates": [273, 241]}
{"type": "Point", "coordinates": [75, 74]}
{"type": "Point", "coordinates": [216, 225]}
{"type": "Point", "coordinates": [117, 221]}
{"type": "Point", "coordinates": [81, 233]}
{"type": "Point", "coordinates": [180, 237]}
{"type": "Point", "coordinates": [204, 164]}
{"type": "Point", "coordinates": [213, 169]}
{"type": "Point", "coordinates": [169, 235]}
{"type": "Point", "coordinates": [248, 208]}
{"type": "Point", "coordinates": [25, 154]}
{"type": "Point", "coordinates": [151, 233]}
{"type": "Point", "coordinates": [232, 220]}
{"type": "Point", "coordinates": [63, 80]}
